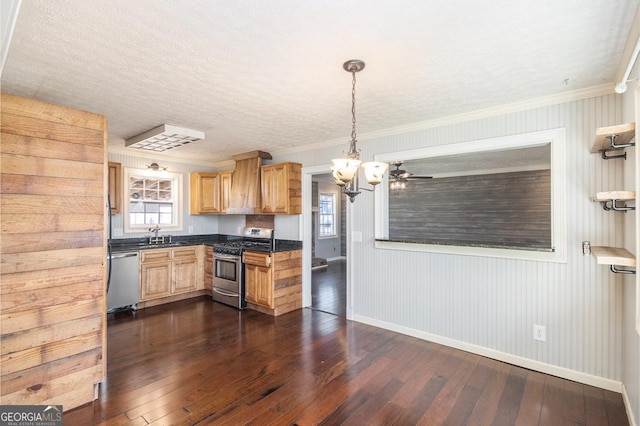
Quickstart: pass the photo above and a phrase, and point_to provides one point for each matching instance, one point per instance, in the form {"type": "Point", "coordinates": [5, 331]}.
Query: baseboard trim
{"type": "Point", "coordinates": [627, 406]}
{"type": "Point", "coordinates": [542, 367]}
{"type": "Point", "coordinates": [333, 259]}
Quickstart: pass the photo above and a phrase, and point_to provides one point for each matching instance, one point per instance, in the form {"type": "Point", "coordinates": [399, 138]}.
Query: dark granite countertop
{"type": "Point", "coordinates": [281, 245]}
{"type": "Point", "coordinates": [122, 245]}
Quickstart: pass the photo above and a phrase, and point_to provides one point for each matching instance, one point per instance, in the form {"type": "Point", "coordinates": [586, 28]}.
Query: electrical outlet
{"type": "Point", "coordinates": [539, 333]}
{"type": "Point", "coordinates": [191, 229]}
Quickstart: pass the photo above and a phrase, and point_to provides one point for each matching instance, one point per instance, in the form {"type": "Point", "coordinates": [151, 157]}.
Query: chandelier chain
{"type": "Point", "coordinates": [353, 107]}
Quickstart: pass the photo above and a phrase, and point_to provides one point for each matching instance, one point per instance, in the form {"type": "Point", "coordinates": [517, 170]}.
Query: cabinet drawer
{"type": "Point", "coordinates": [155, 255]}
{"type": "Point", "coordinates": [258, 259]}
{"type": "Point", "coordinates": [180, 253]}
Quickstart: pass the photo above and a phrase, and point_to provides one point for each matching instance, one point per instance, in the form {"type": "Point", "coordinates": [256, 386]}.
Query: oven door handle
{"type": "Point", "coordinates": [226, 256]}
{"type": "Point", "coordinates": [225, 292]}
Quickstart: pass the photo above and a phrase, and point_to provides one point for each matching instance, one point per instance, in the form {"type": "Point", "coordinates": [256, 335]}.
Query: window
{"type": "Point", "coordinates": [152, 198]}
{"type": "Point", "coordinates": [327, 209]}
{"type": "Point", "coordinates": [501, 197]}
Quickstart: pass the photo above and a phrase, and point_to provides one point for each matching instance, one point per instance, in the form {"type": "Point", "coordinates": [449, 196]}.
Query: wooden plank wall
{"type": "Point", "coordinates": [295, 188]}
{"type": "Point", "coordinates": [53, 253]}
{"type": "Point", "coordinates": [502, 209]}
{"type": "Point", "coordinates": [287, 281]}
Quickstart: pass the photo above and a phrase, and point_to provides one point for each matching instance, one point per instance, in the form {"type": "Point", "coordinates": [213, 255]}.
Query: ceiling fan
{"type": "Point", "coordinates": [402, 175]}
{"type": "Point", "coordinates": [398, 178]}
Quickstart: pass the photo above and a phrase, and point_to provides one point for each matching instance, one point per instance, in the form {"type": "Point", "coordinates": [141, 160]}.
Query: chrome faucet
{"type": "Point", "coordinates": [155, 239]}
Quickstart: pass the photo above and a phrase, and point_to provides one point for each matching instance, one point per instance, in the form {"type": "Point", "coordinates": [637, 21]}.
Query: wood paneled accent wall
{"type": "Point", "coordinates": [501, 209]}
{"type": "Point", "coordinates": [53, 253]}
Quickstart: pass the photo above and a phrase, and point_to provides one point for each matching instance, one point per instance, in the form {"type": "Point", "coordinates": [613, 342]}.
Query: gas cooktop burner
{"type": "Point", "coordinates": [251, 238]}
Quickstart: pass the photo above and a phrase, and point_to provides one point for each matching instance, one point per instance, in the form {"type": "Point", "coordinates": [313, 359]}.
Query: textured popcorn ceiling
{"type": "Point", "coordinates": [268, 74]}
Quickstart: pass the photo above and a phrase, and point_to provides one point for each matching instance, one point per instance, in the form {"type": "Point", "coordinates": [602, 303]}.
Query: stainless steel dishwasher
{"type": "Point", "coordinates": [123, 290]}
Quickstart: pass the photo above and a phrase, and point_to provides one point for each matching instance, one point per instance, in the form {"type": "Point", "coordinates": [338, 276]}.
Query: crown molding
{"type": "Point", "coordinates": [132, 152]}
{"type": "Point", "coordinates": [560, 98]}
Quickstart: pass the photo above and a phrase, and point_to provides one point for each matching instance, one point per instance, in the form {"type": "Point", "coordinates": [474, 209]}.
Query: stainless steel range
{"type": "Point", "coordinates": [228, 273]}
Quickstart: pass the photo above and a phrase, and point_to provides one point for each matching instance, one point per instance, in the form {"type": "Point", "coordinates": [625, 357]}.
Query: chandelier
{"type": "Point", "coordinates": [345, 170]}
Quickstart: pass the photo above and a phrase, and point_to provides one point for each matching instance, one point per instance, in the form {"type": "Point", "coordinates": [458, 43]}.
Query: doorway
{"type": "Point", "coordinates": [328, 252]}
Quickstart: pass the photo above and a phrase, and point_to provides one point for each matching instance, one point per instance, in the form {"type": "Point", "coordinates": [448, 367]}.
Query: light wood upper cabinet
{"type": "Point", "coordinates": [209, 192]}
{"type": "Point", "coordinates": [204, 193]}
{"type": "Point", "coordinates": [115, 187]}
{"type": "Point", "coordinates": [281, 188]}
{"type": "Point", "coordinates": [225, 190]}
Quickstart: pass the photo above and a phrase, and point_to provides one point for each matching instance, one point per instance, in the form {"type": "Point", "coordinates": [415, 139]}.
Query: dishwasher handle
{"type": "Point", "coordinates": [123, 255]}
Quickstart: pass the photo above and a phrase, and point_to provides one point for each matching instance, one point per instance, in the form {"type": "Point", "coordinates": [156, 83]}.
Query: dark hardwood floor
{"type": "Point", "coordinates": [198, 362]}
{"type": "Point", "coordinates": [329, 288]}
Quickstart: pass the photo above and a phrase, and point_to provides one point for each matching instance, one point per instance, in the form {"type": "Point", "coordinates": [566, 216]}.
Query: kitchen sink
{"type": "Point", "coordinates": [146, 245]}
{"type": "Point", "coordinates": [180, 243]}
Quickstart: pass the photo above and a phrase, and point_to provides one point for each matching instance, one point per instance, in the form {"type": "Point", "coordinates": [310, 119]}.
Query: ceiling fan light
{"type": "Point", "coordinates": [374, 171]}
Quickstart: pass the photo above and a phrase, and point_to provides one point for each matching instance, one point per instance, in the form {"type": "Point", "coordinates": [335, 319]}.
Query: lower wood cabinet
{"type": "Point", "coordinates": [155, 280]}
{"type": "Point", "coordinates": [273, 281]}
{"type": "Point", "coordinates": [185, 275]}
{"type": "Point", "coordinates": [258, 277]}
{"type": "Point", "coordinates": [208, 268]}
{"type": "Point", "coordinates": [165, 272]}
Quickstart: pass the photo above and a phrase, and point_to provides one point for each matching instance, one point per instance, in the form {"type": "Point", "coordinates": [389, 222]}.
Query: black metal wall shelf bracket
{"type": "Point", "coordinates": [612, 205]}
{"type": "Point", "coordinates": [622, 271]}
{"type": "Point", "coordinates": [615, 147]}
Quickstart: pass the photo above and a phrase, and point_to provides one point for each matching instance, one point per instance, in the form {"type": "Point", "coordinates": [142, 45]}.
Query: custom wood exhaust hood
{"type": "Point", "coordinates": [245, 197]}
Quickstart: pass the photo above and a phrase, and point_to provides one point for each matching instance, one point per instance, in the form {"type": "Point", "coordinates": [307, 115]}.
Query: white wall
{"type": "Point", "coordinates": [489, 305]}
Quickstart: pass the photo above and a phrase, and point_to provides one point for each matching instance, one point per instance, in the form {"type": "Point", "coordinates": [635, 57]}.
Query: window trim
{"type": "Point", "coordinates": [177, 187]}
{"type": "Point", "coordinates": [334, 196]}
{"type": "Point", "coordinates": [555, 137]}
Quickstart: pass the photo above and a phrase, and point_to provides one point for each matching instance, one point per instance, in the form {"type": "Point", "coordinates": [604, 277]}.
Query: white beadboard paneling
{"type": "Point", "coordinates": [202, 224]}
{"type": "Point", "coordinates": [493, 303]}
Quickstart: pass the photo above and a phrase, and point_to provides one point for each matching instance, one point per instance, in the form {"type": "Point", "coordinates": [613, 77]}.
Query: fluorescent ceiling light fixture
{"type": "Point", "coordinates": [163, 138]}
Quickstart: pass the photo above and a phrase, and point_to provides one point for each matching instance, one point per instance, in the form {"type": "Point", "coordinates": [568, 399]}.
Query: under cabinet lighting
{"type": "Point", "coordinates": [163, 138]}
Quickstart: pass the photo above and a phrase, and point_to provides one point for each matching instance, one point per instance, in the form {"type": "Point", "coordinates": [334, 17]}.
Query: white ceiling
{"type": "Point", "coordinates": [268, 74]}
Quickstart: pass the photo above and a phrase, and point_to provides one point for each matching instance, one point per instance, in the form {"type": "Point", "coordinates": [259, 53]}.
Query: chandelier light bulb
{"type": "Point", "coordinates": [374, 171]}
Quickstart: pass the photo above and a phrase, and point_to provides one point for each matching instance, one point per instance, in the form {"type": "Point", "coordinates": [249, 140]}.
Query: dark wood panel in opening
{"type": "Point", "coordinates": [502, 209]}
